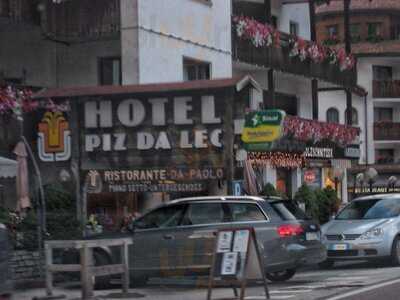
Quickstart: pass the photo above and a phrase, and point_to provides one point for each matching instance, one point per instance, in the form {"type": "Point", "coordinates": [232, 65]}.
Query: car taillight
{"type": "Point", "coordinates": [290, 230]}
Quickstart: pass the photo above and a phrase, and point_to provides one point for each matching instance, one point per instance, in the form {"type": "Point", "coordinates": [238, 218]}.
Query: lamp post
{"type": "Point", "coordinates": [392, 183]}
{"type": "Point", "coordinates": [338, 176]}
{"type": "Point", "coordinates": [370, 176]}
{"type": "Point", "coordinates": [359, 180]}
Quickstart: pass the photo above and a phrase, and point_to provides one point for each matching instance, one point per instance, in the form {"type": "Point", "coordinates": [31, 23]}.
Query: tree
{"type": "Point", "coordinates": [269, 190]}
{"type": "Point", "coordinates": [305, 195]}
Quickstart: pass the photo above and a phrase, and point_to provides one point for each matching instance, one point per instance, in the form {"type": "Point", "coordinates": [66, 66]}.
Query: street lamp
{"type": "Point", "coordinates": [359, 181]}
{"type": "Point", "coordinates": [338, 176]}
{"type": "Point", "coordinates": [370, 176]}
{"type": "Point", "coordinates": [392, 183]}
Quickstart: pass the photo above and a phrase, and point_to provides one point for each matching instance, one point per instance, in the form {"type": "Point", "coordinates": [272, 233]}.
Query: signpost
{"type": "Point", "coordinates": [236, 259]}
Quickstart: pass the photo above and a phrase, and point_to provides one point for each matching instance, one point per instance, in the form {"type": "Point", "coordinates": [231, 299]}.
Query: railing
{"type": "Point", "coordinates": [20, 10]}
{"type": "Point", "coordinates": [86, 266]}
{"type": "Point", "coordinates": [279, 59]}
{"type": "Point", "coordinates": [81, 20]}
{"type": "Point", "coordinates": [386, 89]}
{"type": "Point", "coordinates": [386, 131]}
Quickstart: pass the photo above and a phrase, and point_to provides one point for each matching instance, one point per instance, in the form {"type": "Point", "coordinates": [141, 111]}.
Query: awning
{"type": "Point", "coordinates": [8, 168]}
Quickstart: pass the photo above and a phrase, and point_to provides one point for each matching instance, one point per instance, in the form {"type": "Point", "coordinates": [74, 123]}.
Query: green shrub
{"type": "Point", "coordinates": [307, 196]}
{"type": "Point", "coordinates": [269, 190]}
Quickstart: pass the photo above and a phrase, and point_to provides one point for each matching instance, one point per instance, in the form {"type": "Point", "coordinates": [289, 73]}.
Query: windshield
{"type": "Point", "coordinates": [370, 209]}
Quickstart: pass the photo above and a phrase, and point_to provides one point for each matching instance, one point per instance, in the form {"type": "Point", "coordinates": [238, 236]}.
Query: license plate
{"type": "Point", "coordinates": [312, 236]}
{"type": "Point", "coordinates": [340, 247]}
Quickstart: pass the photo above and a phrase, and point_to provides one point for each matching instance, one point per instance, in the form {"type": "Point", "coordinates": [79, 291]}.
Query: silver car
{"type": "Point", "coordinates": [177, 239]}
{"type": "Point", "coordinates": [367, 228]}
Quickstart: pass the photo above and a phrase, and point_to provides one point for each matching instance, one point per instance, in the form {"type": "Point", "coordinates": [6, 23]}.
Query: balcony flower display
{"type": "Point", "coordinates": [15, 102]}
{"type": "Point", "coordinates": [298, 48]}
{"type": "Point", "coordinates": [310, 130]}
{"type": "Point", "coordinates": [264, 35]}
{"type": "Point", "coordinates": [259, 34]}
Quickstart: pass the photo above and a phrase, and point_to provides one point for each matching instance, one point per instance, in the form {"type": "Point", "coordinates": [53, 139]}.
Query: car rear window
{"type": "Point", "coordinates": [246, 212]}
{"type": "Point", "coordinates": [287, 210]}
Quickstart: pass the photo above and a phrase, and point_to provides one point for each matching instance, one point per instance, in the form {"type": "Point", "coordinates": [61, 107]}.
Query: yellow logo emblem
{"type": "Point", "coordinates": [54, 142]}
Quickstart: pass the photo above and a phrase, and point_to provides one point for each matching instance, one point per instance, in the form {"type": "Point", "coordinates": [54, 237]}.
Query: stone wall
{"type": "Point", "coordinates": [25, 265]}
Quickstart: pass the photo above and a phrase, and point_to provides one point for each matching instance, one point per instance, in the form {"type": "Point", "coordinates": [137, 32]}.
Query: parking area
{"type": "Point", "coordinates": [306, 285]}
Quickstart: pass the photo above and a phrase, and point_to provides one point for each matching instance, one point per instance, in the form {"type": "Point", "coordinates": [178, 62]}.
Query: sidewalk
{"type": "Point", "coordinates": [154, 293]}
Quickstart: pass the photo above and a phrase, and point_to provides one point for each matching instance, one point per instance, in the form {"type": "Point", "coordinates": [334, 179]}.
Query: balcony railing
{"type": "Point", "coordinates": [386, 89]}
{"type": "Point", "coordinates": [387, 131]}
{"type": "Point", "coordinates": [20, 11]}
{"type": "Point", "coordinates": [81, 20]}
{"type": "Point", "coordinates": [279, 59]}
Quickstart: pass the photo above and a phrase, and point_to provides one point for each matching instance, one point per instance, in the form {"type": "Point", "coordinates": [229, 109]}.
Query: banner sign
{"type": "Point", "coordinates": [374, 190]}
{"type": "Point", "coordinates": [262, 128]}
{"type": "Point", "coordinates": [152, 180]}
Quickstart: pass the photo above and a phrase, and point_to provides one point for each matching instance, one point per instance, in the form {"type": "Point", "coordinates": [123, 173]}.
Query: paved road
{"type": "Point", "coordinates": [306, 285]}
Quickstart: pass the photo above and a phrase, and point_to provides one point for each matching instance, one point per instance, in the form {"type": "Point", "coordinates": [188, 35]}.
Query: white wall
{"type": "Point", "coordinates": [337, 99]}
{"type": "Point", "coordinates": [170, 30]}
{"type": "Point", "coordinates": [296, 12]}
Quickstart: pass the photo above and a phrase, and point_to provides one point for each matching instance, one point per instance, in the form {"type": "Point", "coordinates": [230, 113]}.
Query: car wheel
{"type": "Point", "coordinates": [326, 264]}
{"type": "Point", "coordinates": [101, 259]}
{"type": "Point", "coordinates": [281, 275]}
{"type": "Point", "coordinates": [395, 256]}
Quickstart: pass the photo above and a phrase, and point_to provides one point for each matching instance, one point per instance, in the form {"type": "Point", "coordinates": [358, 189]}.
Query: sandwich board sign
{"type": "Point", "coordinates": [236, 259]}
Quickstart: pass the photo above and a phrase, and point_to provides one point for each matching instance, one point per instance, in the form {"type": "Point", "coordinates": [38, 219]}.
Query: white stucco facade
{"type": "Point", "coordinates": [166, 32]}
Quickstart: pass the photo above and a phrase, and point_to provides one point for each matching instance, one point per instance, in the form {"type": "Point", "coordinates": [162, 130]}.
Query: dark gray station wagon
{"type": "Point", "coordinates": [177, 239]}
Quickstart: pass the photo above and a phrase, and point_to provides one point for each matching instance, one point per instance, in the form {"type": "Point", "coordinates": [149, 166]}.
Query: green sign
{"type": "Point", "coordinates": [262, 129]}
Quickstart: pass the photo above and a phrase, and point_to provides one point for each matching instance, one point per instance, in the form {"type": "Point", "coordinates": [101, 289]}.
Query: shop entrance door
{"type": "Point", "coordinates": [284, 181]}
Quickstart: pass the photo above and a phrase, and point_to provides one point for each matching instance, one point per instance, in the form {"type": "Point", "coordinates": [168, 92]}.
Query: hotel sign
{"type": "Point", "coordinates": [159, 123]}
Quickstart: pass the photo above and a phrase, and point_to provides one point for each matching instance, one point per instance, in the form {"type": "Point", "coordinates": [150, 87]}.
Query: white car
{"type": "Point", "coordinates": [367, 228]}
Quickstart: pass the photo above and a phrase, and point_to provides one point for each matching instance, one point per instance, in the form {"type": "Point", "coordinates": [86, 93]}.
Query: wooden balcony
{"type": "Point", "coordinates": [386, 89]}
{"type": "Point", "coordinates": [279, 59]}
{"type": "Point", "coordinates": [81, 20]}
{"type": "Point", "coordinates": [20, 11]}
{"type": "Point", "coordinates": [386, 131]}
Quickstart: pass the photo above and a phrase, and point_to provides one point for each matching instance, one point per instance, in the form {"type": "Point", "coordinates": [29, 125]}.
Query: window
{"type": "Point", "coordinates": [374, 29]}
{"type": "Point", "coordinates": [333, 31]}
{"type": "Point", "coordinates": [110, 71]}
{"type": "Point", "coordinates": [384, 156]}
{"type": "Point", "coordinates": [332, 115]}
{"type": "Point", "coordinates": [245, 212]}
{"type": "Point", "coordinates": [382, 73]}
{"type": "Point", "coordinates": [354, 116]}
{"type": "Point", "coordinates": [371, 209]}
{"type": "Point", "coordinates": [196, 70]}
{"type": "Point", "coordinates": [294, 28]}
{"type": "Point", "coordinates": [288, 211]}
{"type": "Point", "coordinates": [383, 114]}
{"type": "Point", "coordinates": [204, 213]}
{"type": "Point", "coordinates": [164, 217]}
{"type": "Point", "coordinates": [355, 32]}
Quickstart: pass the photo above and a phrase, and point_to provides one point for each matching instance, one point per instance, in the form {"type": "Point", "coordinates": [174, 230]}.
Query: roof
{"type": "Point", "coordinates": [337, 5]}
{"type": "Point", "coordinates": [238, 82]}
{"type": "Point", "coordinates": [380, 196]}
{"type": "Point", "coordinates": [205, 198]}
